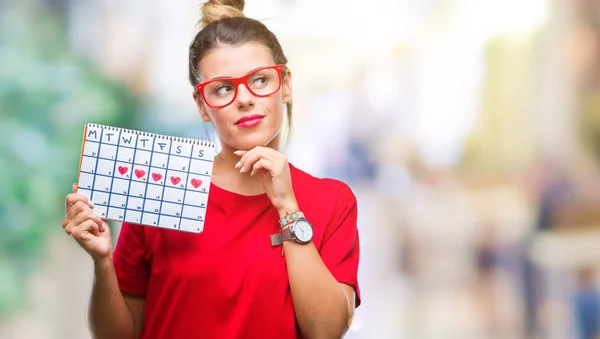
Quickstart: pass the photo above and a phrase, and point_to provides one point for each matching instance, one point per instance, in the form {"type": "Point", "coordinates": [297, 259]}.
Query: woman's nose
{"type": "Point", "coordinates": [244, 97]}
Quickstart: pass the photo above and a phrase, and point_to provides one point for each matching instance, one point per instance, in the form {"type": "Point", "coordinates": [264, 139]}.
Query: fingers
{"type": "Point", "coordinates": [86, 214]}
{"type": "Point", "coordinates": [73, 198]}
{"type": "Point", "coordinates": [74, 188]}
{"type": "Point", "coordinates": [83, 230]}
{"type": "Point", "coordinates": [245, 157]}
{"type": "Point", "coordinates": [79, 213]}
{"type": "Point", "coordinates": [76, 208]}
{"type": "Point", "coordinates": [249, 158]}
{"type": "Point", "coordinates": [85, 218]}
{"type": "Point", "coordinates": [247, 161]}
{"type": "Point", "coordinates": [262, 164]}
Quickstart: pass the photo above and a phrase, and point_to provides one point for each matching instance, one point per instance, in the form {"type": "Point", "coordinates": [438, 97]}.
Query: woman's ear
{"type": "Point", "coordinates": [287, 86]}
{"type": "Point", "coordinates": [201, 107]}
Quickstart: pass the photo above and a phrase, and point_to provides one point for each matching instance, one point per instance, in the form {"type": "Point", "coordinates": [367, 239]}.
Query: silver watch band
{"type": "Point", "coordinates": [283, 235]}
{"type": "Point", "coordinates": [276, 239]}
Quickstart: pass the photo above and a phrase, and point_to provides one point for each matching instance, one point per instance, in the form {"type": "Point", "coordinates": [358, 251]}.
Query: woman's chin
{"type": "Point", "coordinates": [251, 141]}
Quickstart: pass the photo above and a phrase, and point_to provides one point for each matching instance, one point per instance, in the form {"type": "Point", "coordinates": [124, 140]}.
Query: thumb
{"type": "Point", "coordinates": [105, 228]}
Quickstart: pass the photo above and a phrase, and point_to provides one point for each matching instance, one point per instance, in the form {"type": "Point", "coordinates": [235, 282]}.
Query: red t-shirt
{"type": "Point", "coordinates": [229, 282]}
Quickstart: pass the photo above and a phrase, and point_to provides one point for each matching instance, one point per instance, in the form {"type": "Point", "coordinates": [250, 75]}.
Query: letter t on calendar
{"type": "Point", "coordinates": [146, 178]}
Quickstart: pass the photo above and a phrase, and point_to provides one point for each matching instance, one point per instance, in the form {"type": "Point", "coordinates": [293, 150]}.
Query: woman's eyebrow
{"type": "Point", "coordinates": [229, 77]}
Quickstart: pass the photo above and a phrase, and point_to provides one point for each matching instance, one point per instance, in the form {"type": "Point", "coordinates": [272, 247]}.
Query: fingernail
{"type": "Point", "coordinates": [252, 173]}
{"type": "Point", "coordinates": [238, 164]}
{"type": "Point", "coordinates": [237, 152]}
{"type": "Point", "coordinates": [241, 170]}
{"type": "Point", "coordinates": [91, 203]}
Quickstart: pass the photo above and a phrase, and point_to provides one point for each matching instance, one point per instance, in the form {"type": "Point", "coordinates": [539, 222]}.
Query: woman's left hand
{"type": "Point", "coordinates": [274, 170]}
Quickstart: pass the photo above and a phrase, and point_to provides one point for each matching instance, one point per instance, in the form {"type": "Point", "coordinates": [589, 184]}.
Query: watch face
{"type": "Point", "coordinates": [303, 231]}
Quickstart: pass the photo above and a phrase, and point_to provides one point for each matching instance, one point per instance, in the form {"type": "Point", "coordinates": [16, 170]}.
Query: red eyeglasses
{"type": "Point", "coordinates": [218, 93]}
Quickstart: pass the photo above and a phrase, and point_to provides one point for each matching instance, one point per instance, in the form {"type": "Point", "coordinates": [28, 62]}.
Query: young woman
{"type": "Point", "coordinates": [279, 254]}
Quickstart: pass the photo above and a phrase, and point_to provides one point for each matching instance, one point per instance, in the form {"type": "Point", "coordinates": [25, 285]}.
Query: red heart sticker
{"type": "Point", "coordinates": [196, 183]}
{"type": "Point", "coordinates": [156, 176]}
{"type": "Point", "coordinates": [139, 173]}
{"type": "Point", "coordinates": [123, 170]}
{"type": "Point", "coordinates": [175, 180]}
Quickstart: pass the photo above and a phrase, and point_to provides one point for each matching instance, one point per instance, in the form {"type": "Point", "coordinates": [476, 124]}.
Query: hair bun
{"type": "Point", "coordinates": [214, 10]}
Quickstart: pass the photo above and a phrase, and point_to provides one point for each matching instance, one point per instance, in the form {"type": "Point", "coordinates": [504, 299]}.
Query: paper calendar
{"type": "Point", "coordinates": [146, 178]}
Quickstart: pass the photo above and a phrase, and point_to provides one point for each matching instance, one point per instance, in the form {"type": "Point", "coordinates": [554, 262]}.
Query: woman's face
{"type": "Point", "coordinates": [249, 120]}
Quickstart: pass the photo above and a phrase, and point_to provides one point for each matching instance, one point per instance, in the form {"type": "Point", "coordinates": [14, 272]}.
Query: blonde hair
{"type": "Point", "coordinates": [214, 10]}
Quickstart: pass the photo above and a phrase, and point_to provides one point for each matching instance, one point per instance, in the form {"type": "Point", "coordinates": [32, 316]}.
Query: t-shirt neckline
{"type": "Point", "coordinates": [233, 195]}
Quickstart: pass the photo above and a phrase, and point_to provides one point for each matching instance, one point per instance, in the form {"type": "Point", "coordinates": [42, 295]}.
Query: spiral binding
{"type": "Point", "coordinates": [186, 140]}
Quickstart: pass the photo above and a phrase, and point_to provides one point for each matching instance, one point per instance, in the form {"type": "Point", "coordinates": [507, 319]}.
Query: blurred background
{"type": "Point", "coordinates": [468, 129]}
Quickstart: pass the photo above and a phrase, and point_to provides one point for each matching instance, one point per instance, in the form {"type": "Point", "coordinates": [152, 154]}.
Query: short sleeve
{"type": "Point", "coordinates": [131, 265]}
{"type": "Point", "coordinates": [340, 250]}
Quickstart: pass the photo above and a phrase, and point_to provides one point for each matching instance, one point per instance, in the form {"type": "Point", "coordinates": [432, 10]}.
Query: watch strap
{"type": "Point", "coordinates": [283, 235]}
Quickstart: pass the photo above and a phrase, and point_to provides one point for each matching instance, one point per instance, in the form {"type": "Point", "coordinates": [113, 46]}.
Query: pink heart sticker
{"type": "Point", "coordinates": [123, 170]}
{"type": "Point", "coordinates": [196, 183]}
{"type": "Point", "coordinates": [175, 180]}
{"type": "Point", "coordinates": [139, 173]}
{"type": "Point", "coordinates": [156, 176]}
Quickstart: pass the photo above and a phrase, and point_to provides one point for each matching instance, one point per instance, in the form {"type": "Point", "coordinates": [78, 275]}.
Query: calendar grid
{"type": "Point", "coordinates": [164, 185]}
{"type": "Point", "coordinates": [177, 188]}
{"type": "Point", "coordinates": [152, 199]}
{"type": "Point", "coordinates": [108, 166]}
{"type": "Point", "coordinates": [168, 215]}
{"type": "Point", "coordinates": [130, 179]}
{"type": "Point", "coordinates": [174, 170]}
{"type": "Point", "coordinates": [147, 180]}
{"type": "Point", "coordinates": [113, 177]}
{"type": "Point", "coordinates": [175, 155]}
{"type": "Point", "coordinates": [96, 167]}
{"type": "Point", "coordinates": [186, 183]}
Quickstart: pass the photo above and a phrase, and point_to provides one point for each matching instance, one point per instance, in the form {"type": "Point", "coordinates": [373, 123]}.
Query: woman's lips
{"type": "Point", "coordinates": [249, 121]}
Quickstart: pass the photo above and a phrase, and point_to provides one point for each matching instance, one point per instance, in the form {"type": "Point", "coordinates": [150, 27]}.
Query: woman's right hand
{"type": "Point", "coordinates": [90, 231]}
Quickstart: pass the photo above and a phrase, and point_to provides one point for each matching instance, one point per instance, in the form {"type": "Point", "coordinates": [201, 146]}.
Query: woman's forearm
{"type": "Point", "coordinates": [108, 313]}
{"type": "Point", "coordinates": [322, 308]}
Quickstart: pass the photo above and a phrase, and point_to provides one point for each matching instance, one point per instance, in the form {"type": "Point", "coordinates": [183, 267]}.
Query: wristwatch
{"type": "Point", "coordinates": [300, 231]}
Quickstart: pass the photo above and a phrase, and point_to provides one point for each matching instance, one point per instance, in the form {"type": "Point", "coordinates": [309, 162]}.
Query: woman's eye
{"type": "Point", "coordinates": [259, 82]}
{"type": "Point", "coordinates": [222, 90]}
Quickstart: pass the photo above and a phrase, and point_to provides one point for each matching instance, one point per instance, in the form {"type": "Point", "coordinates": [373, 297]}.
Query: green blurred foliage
{"type": "Point", "coordinates": [47, 94]}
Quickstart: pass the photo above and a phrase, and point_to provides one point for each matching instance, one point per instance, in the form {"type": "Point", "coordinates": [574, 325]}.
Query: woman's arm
{"type": "Point", "coordinates": [323, 306]}
{"type": "Point", "coordinates": [113, 315]}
